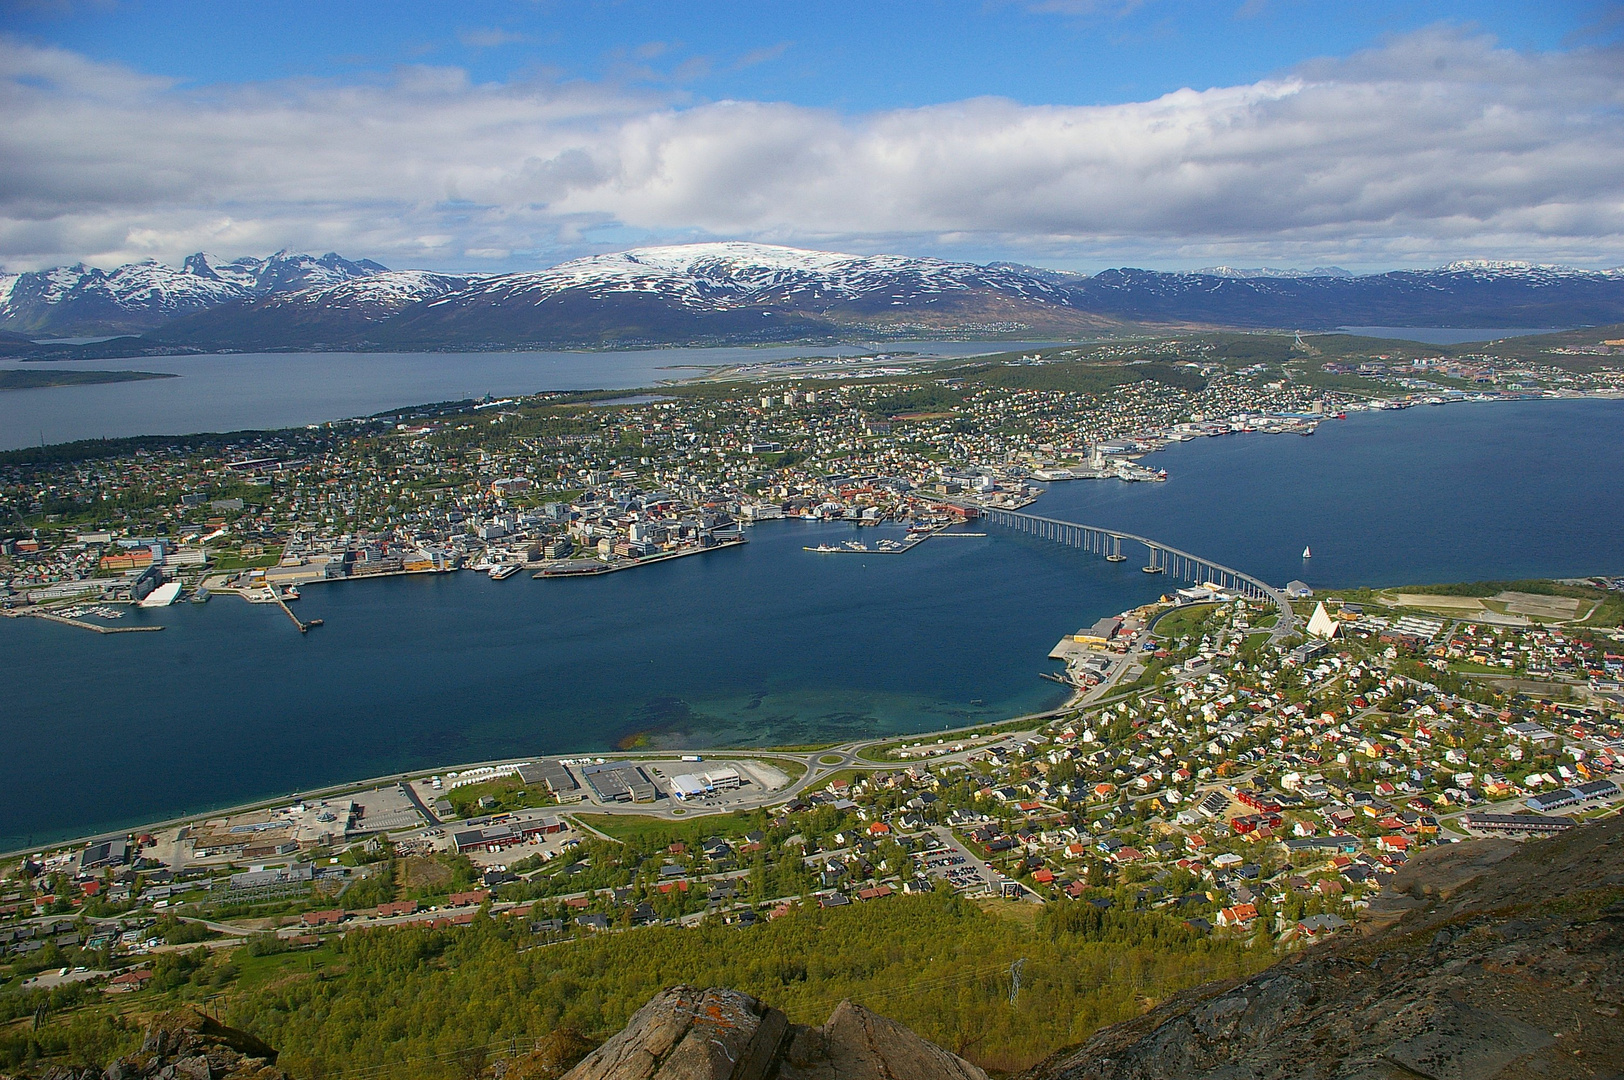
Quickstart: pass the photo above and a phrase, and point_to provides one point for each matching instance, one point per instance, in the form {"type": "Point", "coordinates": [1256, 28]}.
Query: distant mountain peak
{"type": "Point", "coordinates": [1272, 272]}
{"type": "Point", "coordinates": [77, 300]}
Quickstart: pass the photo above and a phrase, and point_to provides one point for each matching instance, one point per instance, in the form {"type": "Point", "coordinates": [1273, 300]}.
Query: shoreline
{"type": "Point", "coordinates": [371, 783]}
{"type": "Point", "coordinates": [354, 784]}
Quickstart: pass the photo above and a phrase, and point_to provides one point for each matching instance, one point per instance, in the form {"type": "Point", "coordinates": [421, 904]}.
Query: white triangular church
{"type": "Point", "coordinates": [1321, 625]}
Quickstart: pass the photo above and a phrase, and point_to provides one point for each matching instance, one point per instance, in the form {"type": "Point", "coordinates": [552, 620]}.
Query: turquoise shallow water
{"type": "Point", "coordinates": [767, 643]}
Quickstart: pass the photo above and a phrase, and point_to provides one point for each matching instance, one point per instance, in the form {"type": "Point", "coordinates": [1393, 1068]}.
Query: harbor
{"type": "Point", "coordinates": [886, 546]}
{"type": "Point", "coordinates": [592, 568]}
{"type": "Point", "coordinates": [69, 620]}
{"type": "Point", "coordinates": [462, 668]}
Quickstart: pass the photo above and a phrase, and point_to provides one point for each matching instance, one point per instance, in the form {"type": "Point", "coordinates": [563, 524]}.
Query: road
{"type": "Point", "coordinates": [820, 765]}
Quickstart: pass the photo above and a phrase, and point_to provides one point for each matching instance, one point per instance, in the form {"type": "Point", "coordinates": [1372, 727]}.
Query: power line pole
{"type": "Point", "coordinates": [1015, 980]}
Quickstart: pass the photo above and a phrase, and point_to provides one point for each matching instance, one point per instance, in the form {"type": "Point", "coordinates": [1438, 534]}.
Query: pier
{"type": "Point", "coordinates": [885, 547]}
{"type": "Point", "coordinates": [81, 624]}
{"type": "Point", "coordinates": [304, 627]}
{"type": "Point", "coordinates": [562, 568]}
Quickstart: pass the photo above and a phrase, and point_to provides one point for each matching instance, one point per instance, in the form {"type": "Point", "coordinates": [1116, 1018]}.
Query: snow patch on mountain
{"type": "Point", "coordinates": [382, 293]}
{"type": "Point", "coordinates": [1272, 272]}
{"type": "Point", "coordinates": [1498, 269]}
{"type": "Point", "coordinates": [144, 294]}
{"type": "Point", "coordinates": [719, 275]}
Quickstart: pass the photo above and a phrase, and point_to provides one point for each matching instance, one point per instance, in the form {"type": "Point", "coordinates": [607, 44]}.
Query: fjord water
{"type": "Point", "coordinates": [256, 391]}
{"type": "Point", "coordinates": [768, 643]}
{"type": "Point", "coordinates": [1448, 335]}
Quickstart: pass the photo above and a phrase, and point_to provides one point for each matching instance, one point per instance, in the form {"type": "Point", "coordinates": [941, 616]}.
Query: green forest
{"type": "Point", "coordinates": [433, 1004]}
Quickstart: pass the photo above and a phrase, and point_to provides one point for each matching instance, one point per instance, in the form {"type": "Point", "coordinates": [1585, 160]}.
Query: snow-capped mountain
{"type": "Point", "coordinates": [1476, 294]}
{"type": "Point", "coordinates": [1272, 272]}
{"type": "Point", "coordinates": [375, 296]}
{"type": "Point", "coordinates": [717, 293]}
{"type": "Point", "coordinates": [722, 275]}
{"type": "Point", "coordinates": [77, 301]}
{"type": "Point", "coordinates": [713, 292]}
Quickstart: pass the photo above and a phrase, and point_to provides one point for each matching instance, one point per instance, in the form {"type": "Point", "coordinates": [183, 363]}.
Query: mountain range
{"type": "Point", "coordinates": [717, 293]}
{"type": "Point", "coordinates": [83, 301]}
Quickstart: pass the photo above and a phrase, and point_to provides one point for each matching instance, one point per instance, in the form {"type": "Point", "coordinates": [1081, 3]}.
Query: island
{"type": "Point", "coordinates": [21, 379]}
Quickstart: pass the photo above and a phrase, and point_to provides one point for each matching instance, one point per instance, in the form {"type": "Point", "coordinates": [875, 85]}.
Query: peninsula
{"type": "Point", "coordinates": [562, 484]}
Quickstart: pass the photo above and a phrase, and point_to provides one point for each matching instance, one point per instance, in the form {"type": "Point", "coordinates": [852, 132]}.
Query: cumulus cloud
{"type": "Point", "coordinates": [1434, 146]}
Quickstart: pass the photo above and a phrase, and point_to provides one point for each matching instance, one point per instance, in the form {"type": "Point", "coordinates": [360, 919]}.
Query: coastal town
{"type": "Point", "coordinates": [970, 541]}
{"type": "Point", "coordinates": [562, 484]}
{"type": "Point", "coordinates": [1249, 788]}
{"type": "Point", "coordinates": [1250, 764]}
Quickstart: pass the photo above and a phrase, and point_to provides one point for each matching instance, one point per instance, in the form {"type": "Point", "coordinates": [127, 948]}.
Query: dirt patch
{"type": "Point", "coordinates": [422, 872]}
{"type": "Point", "coordinates": [1544, 607]}
{"type": "Point", "coordinates": [1014, 910]}
{"type": "Point", "coordinates": [1438, 603]}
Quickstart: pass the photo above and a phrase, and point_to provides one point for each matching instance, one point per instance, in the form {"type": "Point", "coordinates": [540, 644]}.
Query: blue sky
{"type": "Point", "coordinates": [1074, 133]}
{"type": "Point", "coordinates": [839, 54]}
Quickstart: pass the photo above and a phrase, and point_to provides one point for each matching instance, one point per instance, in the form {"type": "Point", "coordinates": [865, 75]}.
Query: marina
{"type": "Point", "coordinates": [887, 546]}
{"type": "Point", "coordinates": [562, 568]}
{"type": "Point", "coordinates": [70, 620]}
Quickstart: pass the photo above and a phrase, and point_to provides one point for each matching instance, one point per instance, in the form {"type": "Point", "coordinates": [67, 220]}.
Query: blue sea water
{"type": "Point", "coordinates": [256, 391]}
{"type": "Point", "coordinates": [767, 644]}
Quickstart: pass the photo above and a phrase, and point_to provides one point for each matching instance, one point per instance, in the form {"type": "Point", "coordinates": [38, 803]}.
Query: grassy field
{"type": "Point", "coordinates": [506, 793]}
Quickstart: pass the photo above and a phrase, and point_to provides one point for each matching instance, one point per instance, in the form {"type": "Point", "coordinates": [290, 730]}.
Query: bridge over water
{"type": "Point", "coordinates": [1162, 558]}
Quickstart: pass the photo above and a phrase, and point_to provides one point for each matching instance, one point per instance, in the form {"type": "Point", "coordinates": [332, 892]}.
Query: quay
{"type": "Point", "coordinates": [304, 627]}
{"type": "Point", "coordinates": [885, 547]}
{"type": "Point", "coordinates": [65, 621]}
{"type": "Point", "coordinates": [593, 569]}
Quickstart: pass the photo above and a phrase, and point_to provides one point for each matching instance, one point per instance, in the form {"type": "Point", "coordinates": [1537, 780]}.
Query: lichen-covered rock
{"type": "Point", "coordinates": [185, 1045]}
{"type": "Point", "coordinates": [1486, 961]}
{"type": "Point", "coordinates": [689, 1034]}
{"type": "Point", "coordinates": [859, 1045]}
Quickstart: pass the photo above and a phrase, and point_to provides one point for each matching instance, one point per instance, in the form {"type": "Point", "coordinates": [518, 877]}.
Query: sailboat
{"type": "Point", "coordinates": [1307, 554]}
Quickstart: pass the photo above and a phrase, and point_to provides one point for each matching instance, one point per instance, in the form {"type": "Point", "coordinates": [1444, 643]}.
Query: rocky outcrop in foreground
{"type": "Point", "coordinates": [185, 1045]}
{"type": "Point", "coordinates": [689, 1034]}
{"type": "Point", "coordinates": [1485, 960]}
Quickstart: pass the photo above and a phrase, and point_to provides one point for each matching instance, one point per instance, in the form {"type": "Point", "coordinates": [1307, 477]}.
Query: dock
{"type": "Point", "coordinates": [890, 547]}
{"type": "Point", "coordinates": [81, 624]}
{"type": "Point", "coordinates": [561, 568]}
{"type": "Point", "coordinates": [304, 627]}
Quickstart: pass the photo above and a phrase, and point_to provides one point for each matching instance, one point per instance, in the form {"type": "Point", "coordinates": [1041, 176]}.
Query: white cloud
{"type": "Point", "coordinates": [488, 37]}
{"type": "Point", "coordinates": [1436, 145]}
